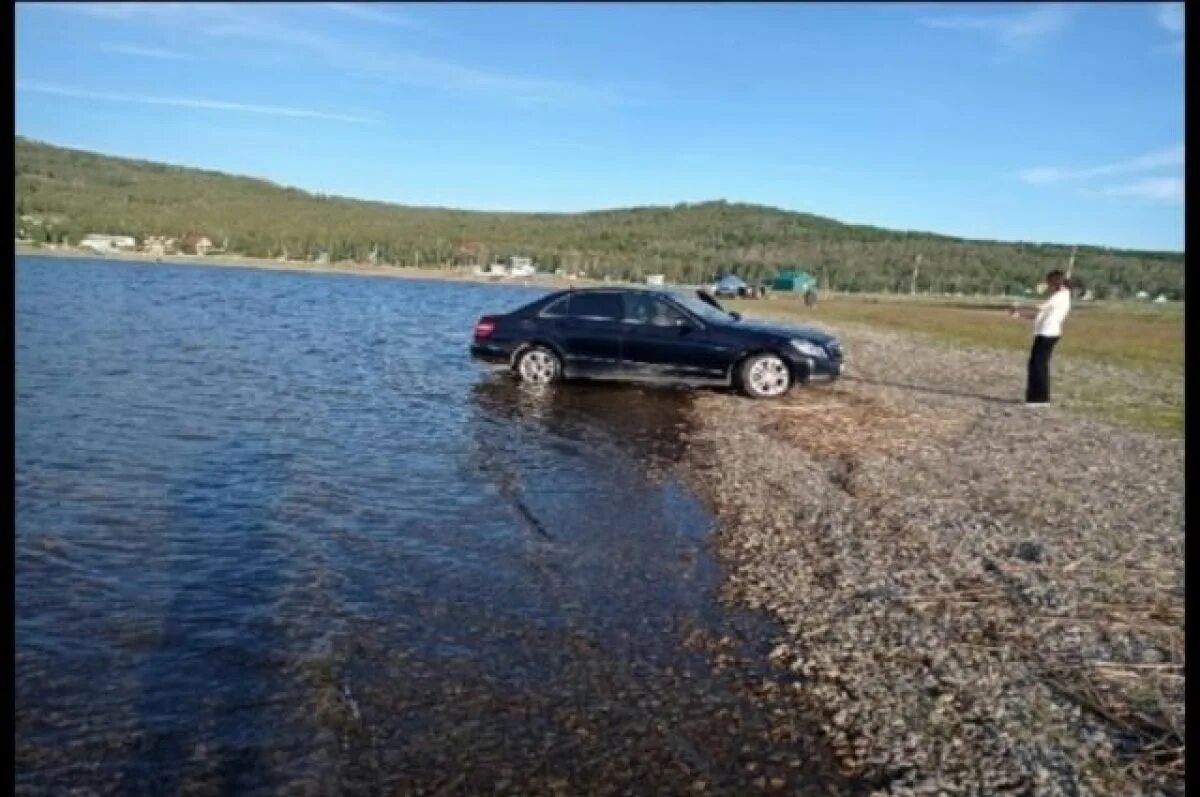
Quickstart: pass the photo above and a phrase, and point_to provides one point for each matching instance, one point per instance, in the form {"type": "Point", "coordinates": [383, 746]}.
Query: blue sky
{"type": "Point", "coordinates": [1034, 122]}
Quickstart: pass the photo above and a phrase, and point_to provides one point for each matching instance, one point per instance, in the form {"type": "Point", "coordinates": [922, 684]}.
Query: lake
{"type": "Point", "coordinates": [275, 532]}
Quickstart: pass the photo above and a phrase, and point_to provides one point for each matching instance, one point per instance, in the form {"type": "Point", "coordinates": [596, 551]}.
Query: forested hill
{"type": "Point", "coordinates": [63, 194]}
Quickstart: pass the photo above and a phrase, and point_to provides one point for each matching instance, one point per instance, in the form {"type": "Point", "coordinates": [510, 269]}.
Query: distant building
{"type": "Point", "coordinates": [655, 279]}
{"type": "Point", "coordinates": [106, 244]}
{"type": "Point", "coordinates": [1141, 295]}
{"type": "Point", "coordinates": [158, 245]}
{"type": "Point", "coordinates": [195, 244]}
{"type": "Point", "coordinates": [521, 267]}
{"type": "Point", "coordinates": [1160, 299]}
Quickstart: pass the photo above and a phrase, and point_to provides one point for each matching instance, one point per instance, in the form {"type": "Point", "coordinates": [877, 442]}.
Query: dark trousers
{"type": "Point", "coordinates": [1037, 389]}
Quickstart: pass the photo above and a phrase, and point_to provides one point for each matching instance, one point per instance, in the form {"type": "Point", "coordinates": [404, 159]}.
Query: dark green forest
{"type": "Point", "coordinates": [63, 194]}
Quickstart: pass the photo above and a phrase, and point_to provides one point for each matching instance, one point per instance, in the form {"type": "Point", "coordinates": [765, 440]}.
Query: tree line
{"type": "Point", "coordinates": [64, 194]}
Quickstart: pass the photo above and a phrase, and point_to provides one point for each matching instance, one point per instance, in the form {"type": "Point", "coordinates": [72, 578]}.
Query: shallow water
{"type": "Point", "coordinates": [275, 532]}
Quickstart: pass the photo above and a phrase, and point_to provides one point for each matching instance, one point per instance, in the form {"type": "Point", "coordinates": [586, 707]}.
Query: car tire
{"type": "Point", "coordinates": [764, 376]}
{"type": "Point", "coordinates": [537, 365]}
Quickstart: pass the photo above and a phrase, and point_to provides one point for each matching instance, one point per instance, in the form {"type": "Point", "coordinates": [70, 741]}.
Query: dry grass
{"type": "Point", "coordinates": [1120, 334]}
{"type": "Point", "coordinates": [1119, 362]}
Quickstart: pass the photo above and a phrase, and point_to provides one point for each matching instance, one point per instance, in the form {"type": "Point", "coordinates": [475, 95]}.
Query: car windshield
{"type": "Point", "coordinates": [699, 307]}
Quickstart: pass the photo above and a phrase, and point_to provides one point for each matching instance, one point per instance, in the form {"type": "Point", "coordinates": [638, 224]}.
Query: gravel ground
{"type": "Point", "coordinates": [983, 598]}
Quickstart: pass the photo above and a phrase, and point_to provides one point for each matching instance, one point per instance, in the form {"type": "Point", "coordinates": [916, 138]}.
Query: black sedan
{"type": "Point", "coordinates": [656, 335]}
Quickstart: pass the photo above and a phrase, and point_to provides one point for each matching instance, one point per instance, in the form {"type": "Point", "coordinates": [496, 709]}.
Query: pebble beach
{"type": "Point", "coordinates": [981, 598]}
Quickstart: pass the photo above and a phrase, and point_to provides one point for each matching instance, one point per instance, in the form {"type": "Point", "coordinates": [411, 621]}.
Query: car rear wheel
{"type": "Point", "coordinates": [537, 365]}
{"type": "Point", "coordinates": [765, 376]}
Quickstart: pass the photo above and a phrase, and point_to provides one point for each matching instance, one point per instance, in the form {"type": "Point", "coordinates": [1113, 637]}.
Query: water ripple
{"type": "Point", "coordinates": [245, 498]}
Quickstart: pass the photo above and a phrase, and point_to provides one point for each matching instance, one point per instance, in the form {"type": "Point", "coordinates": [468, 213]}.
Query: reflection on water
{"type": "Point", "coordinates": [276, 533]}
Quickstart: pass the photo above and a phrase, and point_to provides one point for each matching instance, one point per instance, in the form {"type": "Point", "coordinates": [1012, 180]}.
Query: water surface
{"type": "Point", "coordinates": [276, 533]}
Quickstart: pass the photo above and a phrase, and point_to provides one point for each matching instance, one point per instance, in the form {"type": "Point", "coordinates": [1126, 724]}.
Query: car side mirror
{"type": "Point", "coordinates": [736, 316]}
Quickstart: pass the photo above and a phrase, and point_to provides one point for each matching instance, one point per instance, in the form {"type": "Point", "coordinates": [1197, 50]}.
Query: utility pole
{"type": "Point", "coordinates": [912, 285]}
{"type": "Point", "coordinates": [1071, 262]}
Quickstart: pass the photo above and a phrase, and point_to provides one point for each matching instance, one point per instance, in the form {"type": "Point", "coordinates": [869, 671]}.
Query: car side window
{"type": "Point", "coordinates": [556, 309]}
{"type": "Point", "coordinates": [645, 309]}
{"type": "Point", "coordinates": [596, 306]}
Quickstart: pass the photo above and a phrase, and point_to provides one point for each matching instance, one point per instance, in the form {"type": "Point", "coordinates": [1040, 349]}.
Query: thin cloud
{"type": "Point", "coordinates": [1164, 158]}
{"type": "Point", "coordinates": [1016, 30]}
{"type": "Point", "coordinates": [1159, 189]}
{"type": "Point", "coordinates": [262, 26]}
{"type": "Point", "coordinates": [371, 13]}
{"type": "Point", "coordinates": [119, 11]}
{"type": "Point", "coordinates": [193, 102]}
{"type": "Point", "coordinates": [1169, 17]}
{"type": "Point", "coordinates": [146, 52]}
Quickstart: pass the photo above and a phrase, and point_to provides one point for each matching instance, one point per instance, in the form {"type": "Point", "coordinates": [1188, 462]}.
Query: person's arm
{"type": "Point", "coordinates": [1027, 313]}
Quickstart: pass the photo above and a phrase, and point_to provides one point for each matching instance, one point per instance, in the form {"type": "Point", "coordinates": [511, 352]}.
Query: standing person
{"type": "Point", "coordinates": [1048, 320]}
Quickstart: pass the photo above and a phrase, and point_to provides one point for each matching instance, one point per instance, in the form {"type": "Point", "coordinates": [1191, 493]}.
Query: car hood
{"type": "Point", "coordinates": [785, 330]}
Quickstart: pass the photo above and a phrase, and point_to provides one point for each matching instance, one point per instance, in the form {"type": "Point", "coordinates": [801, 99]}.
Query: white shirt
{"type": "Point", "coordinates": [1051, 314]}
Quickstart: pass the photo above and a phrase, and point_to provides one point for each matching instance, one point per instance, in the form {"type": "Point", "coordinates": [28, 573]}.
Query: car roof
{"type": "Point", "coordinates": [632, 288]}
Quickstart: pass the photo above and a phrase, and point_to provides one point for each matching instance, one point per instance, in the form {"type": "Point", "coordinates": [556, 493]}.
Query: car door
{"type": "Point", "coordinates": [661, 341]}
{"type": "Point", "coordinates": [588, 327]}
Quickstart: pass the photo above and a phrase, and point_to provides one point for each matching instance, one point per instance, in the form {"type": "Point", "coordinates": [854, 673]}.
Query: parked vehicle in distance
{"type": "Point", "coordinates": [730, 286]}
{"type": "Point", "coordinates": [734, 287]}
{"type": "Point", "coordinates": [652, 335]}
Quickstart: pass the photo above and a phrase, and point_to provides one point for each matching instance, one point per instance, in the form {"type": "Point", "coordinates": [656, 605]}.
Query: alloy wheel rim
{"type": "Point", "coordinates": [769, 376]}
{"type": "Point", "coordinates": [538, 367]}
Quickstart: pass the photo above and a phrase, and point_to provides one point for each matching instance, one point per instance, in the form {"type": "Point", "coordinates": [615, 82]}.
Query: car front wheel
{"type": "Point", "coordinates": [537, 365]}
{"type": "Point", "coordinates": [765, 376]}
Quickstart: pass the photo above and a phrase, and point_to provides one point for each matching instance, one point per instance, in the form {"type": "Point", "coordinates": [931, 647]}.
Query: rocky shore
{"type": "Point", "coordinates": [982, 598]}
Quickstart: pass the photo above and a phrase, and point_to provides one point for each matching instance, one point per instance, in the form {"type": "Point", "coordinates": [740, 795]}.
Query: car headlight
{"type": "Point", "coordinates": [808, 348]}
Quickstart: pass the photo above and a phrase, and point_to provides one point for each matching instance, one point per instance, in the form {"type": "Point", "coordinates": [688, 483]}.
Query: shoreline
{"type": "Point", "coordinates": [297, 266]}
{"type": "Point", "coordinates": [451, 274]}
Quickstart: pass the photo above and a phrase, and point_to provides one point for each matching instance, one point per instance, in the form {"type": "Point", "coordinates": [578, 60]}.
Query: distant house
{"type": "Point", "coordinates": [106, 244]}
{"type": "Point", "coordinates": [655, 279]}
{"type": "Point", "coordinates": [195, 244]}
{"type": "Point", "coordinates": [1141, 295]}
{"type": "Point", "coordinates": [158, 245]}
{"type": "Point", "coordinates": [497, 270]}
{"type": "Point", "coordinates": [794, 281]}
{"type": "Point", "coordinates": [521, 267]}
{"type": "Point", "coordinates": [1160, 299]}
